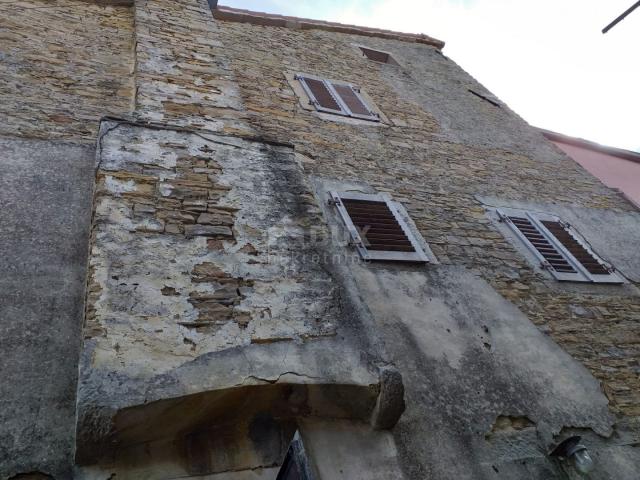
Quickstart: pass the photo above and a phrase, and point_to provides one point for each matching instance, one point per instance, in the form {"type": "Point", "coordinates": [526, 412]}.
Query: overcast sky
{"type": "Point", "coordinates": [547, 59]}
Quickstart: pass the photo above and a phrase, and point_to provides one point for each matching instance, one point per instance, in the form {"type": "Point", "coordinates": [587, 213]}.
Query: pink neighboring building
{"type": "Point", "coordinates": [615, 167]}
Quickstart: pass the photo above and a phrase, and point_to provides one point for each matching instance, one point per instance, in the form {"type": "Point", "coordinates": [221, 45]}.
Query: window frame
{"type": "Point", "coordinates": [581, 274]}
{"type": "Point", "coordinates": [417, 256]}
{"type": "Point", "coordinates": [344, 108]}
{"type": "Point", "coordinates": [390, 59]}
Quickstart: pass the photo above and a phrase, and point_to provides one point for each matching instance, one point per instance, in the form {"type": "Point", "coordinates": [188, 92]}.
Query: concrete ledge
{"type": "Point", "coordinates": [272, 20]}
{"type": "Point", "coordinates": [225, 388]}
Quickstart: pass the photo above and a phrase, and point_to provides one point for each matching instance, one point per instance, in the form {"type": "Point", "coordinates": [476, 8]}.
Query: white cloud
{"type": "Point", "coordinates": [547, 59]}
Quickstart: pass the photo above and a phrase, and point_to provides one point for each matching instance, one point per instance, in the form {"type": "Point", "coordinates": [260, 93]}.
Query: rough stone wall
{"type": "Point", "coordinates": [64, 65]}
{"type": "Point", "coordinates": [444, 150]}
{"type": "Point", "coordinates": [203, 285]}
{"type": "Point", "coordinates": [203, 279]}
{"type": "Point", "coordinates": [191, 251]}
{"type": "Point", "coordinates": [182, 74]}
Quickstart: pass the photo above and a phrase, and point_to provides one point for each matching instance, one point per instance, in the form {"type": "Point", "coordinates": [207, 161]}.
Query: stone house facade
{"type": "Point", "coordinates": [183, 186]}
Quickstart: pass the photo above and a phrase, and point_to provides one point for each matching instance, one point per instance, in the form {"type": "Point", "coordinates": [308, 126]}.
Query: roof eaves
{"type": "Point", "coordinates": [589, 145]}
{"type": "Point", "coordinates": [267, 19]}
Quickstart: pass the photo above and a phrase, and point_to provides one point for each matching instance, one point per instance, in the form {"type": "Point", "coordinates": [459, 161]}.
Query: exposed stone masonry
{"type": "Point", "coordinates": [185, 205]}
{"type": "Point", "coordinates": [439, 156]}
{"type": "Point", "coordinates": [212, 273]}
{"type": "Point", "coordinates": [64, 64]}
{"type": "Point", "coordinates": [182, 74]}
{"type": "Point", "coordinates": [183, 263]}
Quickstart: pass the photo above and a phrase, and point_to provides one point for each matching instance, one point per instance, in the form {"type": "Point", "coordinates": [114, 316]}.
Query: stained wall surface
{"type": "Point", "coordinates": [45, 192]}
{"type": "Point", "coordinates": [445, 150]}
{"type": "Point", "coordinates": [443, 153]}
{"type": "Point", "coordinates": [225, 302]}
{"type": "Point", "coordinates": [63, 65]}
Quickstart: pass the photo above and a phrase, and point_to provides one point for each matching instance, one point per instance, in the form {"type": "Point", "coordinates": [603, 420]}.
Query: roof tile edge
{"type": "Point", "coordinates": [230, 14]}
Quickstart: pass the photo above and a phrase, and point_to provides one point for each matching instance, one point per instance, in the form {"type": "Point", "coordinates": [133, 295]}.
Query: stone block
{"type": "Point", "coordinates": [207, 231]}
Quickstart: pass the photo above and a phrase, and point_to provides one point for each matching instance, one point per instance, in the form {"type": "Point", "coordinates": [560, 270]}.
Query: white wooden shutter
{"type": "Point", "coordinates": [377, 228]}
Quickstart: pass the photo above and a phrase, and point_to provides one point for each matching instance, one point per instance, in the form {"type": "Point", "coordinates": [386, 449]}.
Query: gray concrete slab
{"type": "Point", "coordinates": [45, 198]}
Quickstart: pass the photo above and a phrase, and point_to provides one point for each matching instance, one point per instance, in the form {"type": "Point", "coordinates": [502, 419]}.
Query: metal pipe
{"type": "Point", "coordinates": [620, 18]}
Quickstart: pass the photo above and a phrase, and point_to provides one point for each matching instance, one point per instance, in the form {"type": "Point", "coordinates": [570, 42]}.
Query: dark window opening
{"type": "Point", "coordinates": [377, 56]}
{"type": "Point", "coordinates": [296, 465]}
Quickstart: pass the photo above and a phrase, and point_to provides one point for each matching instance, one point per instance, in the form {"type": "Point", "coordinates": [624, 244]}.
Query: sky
{"type": "Point", "coordinates": [547, 59]}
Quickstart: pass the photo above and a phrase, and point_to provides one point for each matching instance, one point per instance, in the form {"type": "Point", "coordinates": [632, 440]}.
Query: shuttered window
{"type": "Point", "coordinates": [353, 101]}
{"type": "Point", "coordinates": [377, 229]}
{"type": "Point", "coordinates": [559, 248]}
{"type": "Point", "coordinates": [377, 56]}
{"type": "Point", "coordinates": [320, 93]}
{"type": "Point", "coordinates": [336, 97]}
{"type": "Point", "coordinates": [588, 261]}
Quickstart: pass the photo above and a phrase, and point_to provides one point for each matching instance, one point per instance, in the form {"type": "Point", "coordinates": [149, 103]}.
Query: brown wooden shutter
{"type": "Point", "coordinates": [588, 261]}
{"type": "Point", "coordinates": [321, 94]}
{"type": "Point", "coordinates": [553, 257]}
{"type": "Point", "coordinates": [378, 56]}
{"type": "Point", "coordinates": [559, 249]}
{"type": "Point", "coordinates": [352, 100]}
{"type": "Point", "coordinates": [336, 97]}
{"type": "Point", "coordinates": [375, 55]}
{"type": "Point", "coordinates": [377, 226]}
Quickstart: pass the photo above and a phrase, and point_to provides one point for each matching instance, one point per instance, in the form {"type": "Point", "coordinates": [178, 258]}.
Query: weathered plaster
{"type": "Point", "coordinates": [474, 357]}
{"type": "Point", "coordinates": [45, 193]}
{"type": "Point", "coordinates": [159, 197]}
{"type": "Point", "coordinates": [224, 306]}
{"type": "Point", "coordinates": [356, 452]}
{"type": "Point", "coordinates": [179, 307]}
